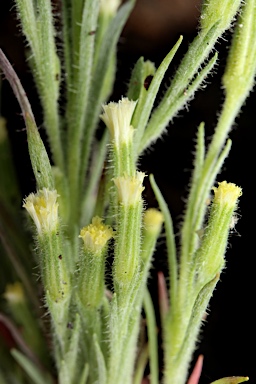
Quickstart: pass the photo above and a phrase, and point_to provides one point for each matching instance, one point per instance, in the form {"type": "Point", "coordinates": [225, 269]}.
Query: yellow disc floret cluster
{"type": "Point", "coordinates": [96, 235]}
{"type": "Point", "coordinates": [227, 193]}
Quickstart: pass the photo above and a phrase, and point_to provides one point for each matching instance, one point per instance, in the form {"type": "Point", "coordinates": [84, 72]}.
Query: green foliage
{"type": "Point", "coordinates": [95, 332]}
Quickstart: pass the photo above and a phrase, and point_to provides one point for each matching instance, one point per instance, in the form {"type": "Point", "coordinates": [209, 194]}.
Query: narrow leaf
{"type": "Point", "coordinates": [145, 105]}
{"type": "Point", "coordinates": [38, 155]}
{"type": "Point", "coordinates": [136, 80]}
{"type": "Point", "coordinates": [152, 337]}
{"type": "Point", "coordinates": [140, 366]}
{"type": "Point", "coordinates": [90, 200]}
{"type": "Point", "coordinates": [200, 154]}
{"type": "Point", "coordinates": [170, 239]}
{"type": "Point", "coordinates": [105, 57]}
{"type": "Point", "coordinates": [84, 376]}
{"type": "Point", "coordinates": [32, 371]}
{"type": "Point", "coordinates": [172, 104]}
{"type": "Point", "coordinates": [231, 380]}
{"type": "Point", "coordinates": [78, 98]}
{"type": "Point", "coordinates": [198, 306]}
{"type": "Point", "coordinates": [102, 371]}
{"type": "Point", "coordinates": [27, 14]}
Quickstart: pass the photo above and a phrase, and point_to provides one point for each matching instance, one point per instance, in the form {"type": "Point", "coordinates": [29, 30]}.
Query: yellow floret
{"type": "Point", "coordinates": [153, 220]}
{"type": "Point", "coordinates": [43, 209]}
{"type": "Point", "coordinates": [227, 193]}
{"type": "Point", "coordinates": [96, 235]}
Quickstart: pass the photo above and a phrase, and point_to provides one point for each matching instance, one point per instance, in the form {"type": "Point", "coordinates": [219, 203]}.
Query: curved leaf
{"type": "Point", "coordinates": [231, 380]}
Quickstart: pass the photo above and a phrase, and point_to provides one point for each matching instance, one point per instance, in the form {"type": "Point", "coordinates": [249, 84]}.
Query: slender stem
{"type": "Point", "coordinates": [152, 337]}
{"type": "Point", "coordinates": [172, 258]}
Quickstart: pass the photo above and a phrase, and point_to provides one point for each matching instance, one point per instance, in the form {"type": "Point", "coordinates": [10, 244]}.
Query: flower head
{"type": "Point", "coordinates": [43, 209]}
{"type": "Point", "coordinates": [153, 220]}
{"type": "Point", "coordinates": [96, 235]}
{"type": "Point", "coordinates": [227, 193]}
{"type": "Point", "coordinates": [117, 117]}
{"type": "Point", "coordinates": [129, 188]}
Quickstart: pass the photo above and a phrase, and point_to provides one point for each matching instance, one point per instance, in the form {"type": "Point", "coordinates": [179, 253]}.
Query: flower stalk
{"type": "Point", "coordinates": [181, 323]}
{"type": "Point", "coordinates": [127, 249]}
{"type": "Point", "coordinates": [43, 209]}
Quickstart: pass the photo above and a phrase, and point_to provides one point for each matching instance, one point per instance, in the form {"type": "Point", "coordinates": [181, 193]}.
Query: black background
{"type": "Point", "coordinates": [228, 337]}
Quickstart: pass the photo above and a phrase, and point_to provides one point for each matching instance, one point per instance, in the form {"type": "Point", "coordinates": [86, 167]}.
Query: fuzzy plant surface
{"type": "Point", "coordinates": [89, 318]}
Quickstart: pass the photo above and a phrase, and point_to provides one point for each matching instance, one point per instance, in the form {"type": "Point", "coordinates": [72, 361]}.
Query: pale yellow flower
{"type": "Point", "coordinates": [96, 235]}
{"type": "Point", "coordinates": [117, 117]}
{"type": "Point", "coordinates": [153, 220]}
{"type": "Point", "coordinates": [129, 188]}
{"type": "Point", "coordinates": [227, 193]}
{"type": "Point", "coordinates": [43, 209]}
